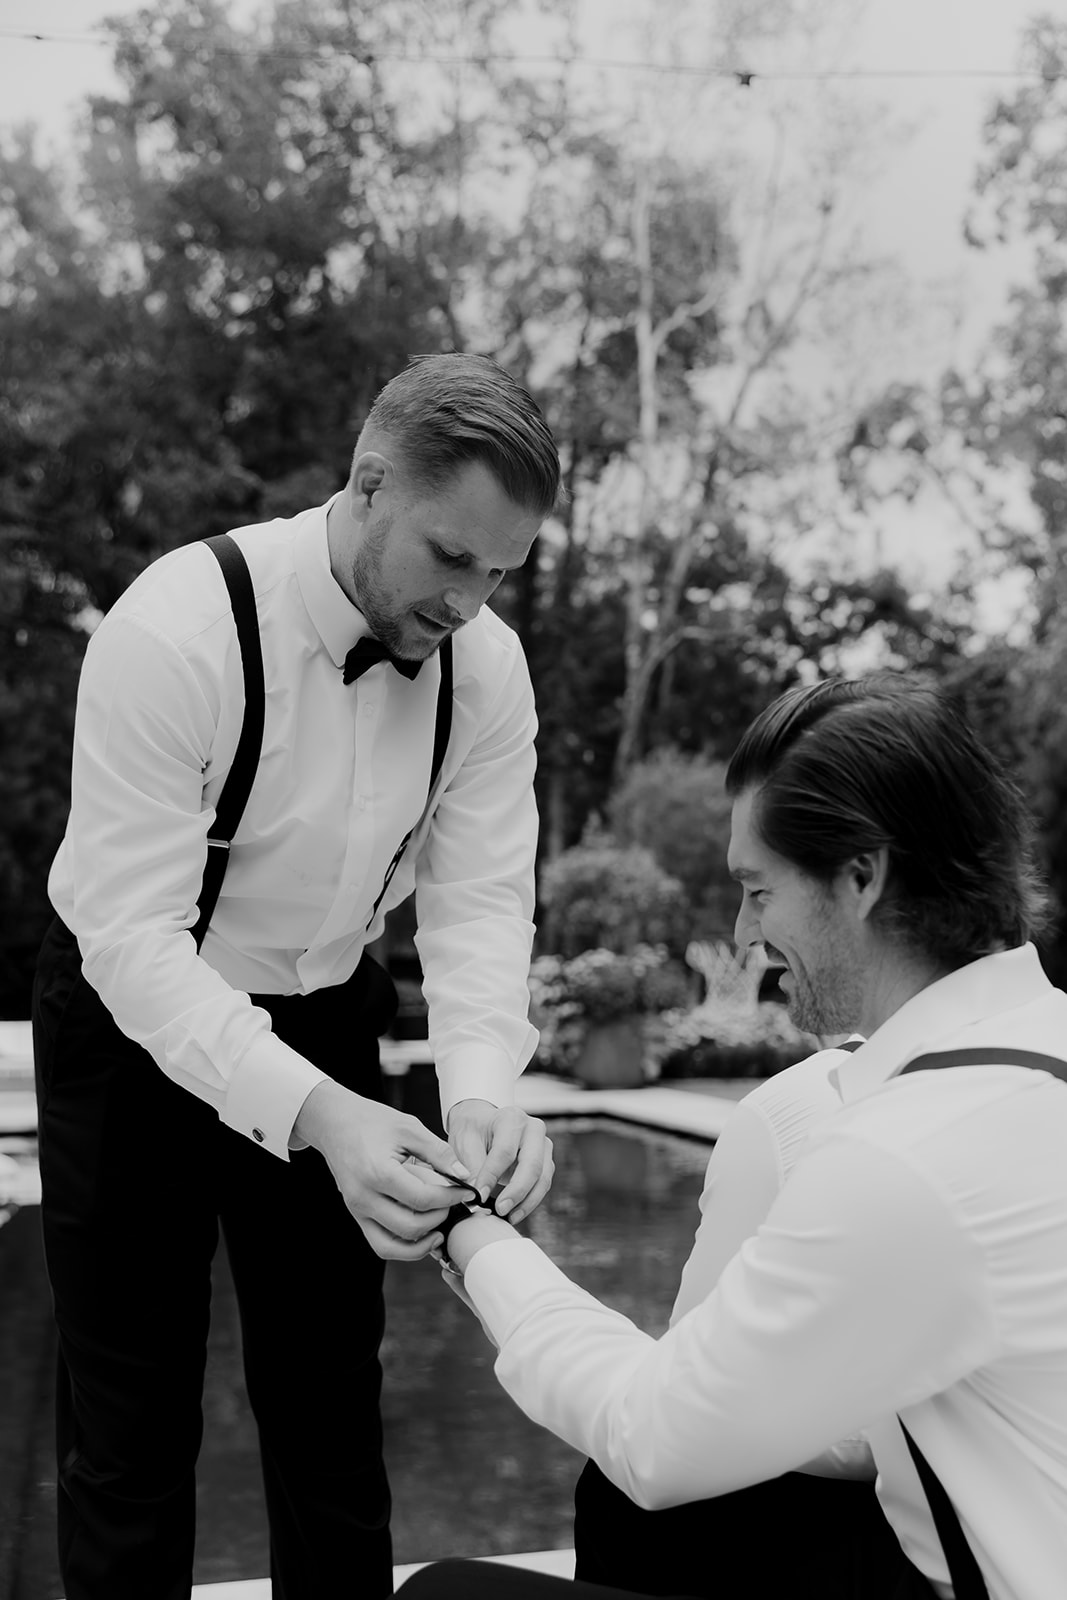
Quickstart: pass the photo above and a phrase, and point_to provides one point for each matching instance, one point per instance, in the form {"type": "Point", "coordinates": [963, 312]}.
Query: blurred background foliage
{"type": "Point", "coordinates": [199, 301]}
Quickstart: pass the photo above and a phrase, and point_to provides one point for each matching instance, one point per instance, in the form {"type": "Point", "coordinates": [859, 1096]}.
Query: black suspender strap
{"type": "Point", "coordinates": [963, 1569]}
{"type": "Point", "coordinates": [239, 779]}
{"type": "Point", "coordinates": [241, 776]}
{"type": "Point", "coordinates": [441, 734]}
{"type": "Point", "coordinates": [442, 728]}
{"type": "Point", "coordinates": [987, 1056]}
{"type": "Point", "coordinates": [966, 1576]}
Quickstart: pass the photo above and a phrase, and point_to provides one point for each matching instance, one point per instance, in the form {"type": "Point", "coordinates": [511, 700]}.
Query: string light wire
{"type": "Point", "coordinates": [743, 77]}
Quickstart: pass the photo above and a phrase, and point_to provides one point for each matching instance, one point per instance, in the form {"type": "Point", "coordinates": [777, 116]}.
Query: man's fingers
{"type": "Point", "coordinates": [421, 1188]}
{"type": "Point", "coordinates": [419, 1141]}
{"type": "Point", "coordinates": [504, 1147]}
{"type": "Point", "coordinates": [405, 1222]}
{"type": "Point", "coordinates": [534, 1153]}
{"type": "Point", "coordinates": [470, 1146]}
{"type": "Point", "coordinates": [536, 1194]}
{"type": "Point", "coordinates": [391, 1248]}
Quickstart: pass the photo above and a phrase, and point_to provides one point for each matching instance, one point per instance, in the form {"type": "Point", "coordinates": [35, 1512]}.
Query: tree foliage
{"type": "Point", "coordinates": [1015, 411]}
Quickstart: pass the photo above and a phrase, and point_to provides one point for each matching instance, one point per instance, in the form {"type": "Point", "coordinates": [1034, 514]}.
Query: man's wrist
{"type": "Point", "coordinates": [471, 1234]}
{"type": "Point", "coordinates": [470, 1100]}
{"type": "Point", "coordinates": [317, 1114]}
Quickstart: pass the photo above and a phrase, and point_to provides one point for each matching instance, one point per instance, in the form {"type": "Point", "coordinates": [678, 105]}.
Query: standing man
{"type": "Point", "coordinates": [239, 1084]}
{"type": "Point", "coordinates": [908, 1283]}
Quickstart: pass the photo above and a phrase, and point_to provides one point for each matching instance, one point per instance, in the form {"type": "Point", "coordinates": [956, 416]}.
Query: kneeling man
{"type": "Point", "coordinates": [909, 1282]}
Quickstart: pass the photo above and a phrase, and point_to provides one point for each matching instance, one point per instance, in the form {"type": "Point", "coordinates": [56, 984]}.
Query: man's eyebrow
{"type": "Point", "coordinates": [448, 539]}
{"type": "Point", "coordinates": [743, 874]}
{"type": "Point", "coordinates": [448, 544]}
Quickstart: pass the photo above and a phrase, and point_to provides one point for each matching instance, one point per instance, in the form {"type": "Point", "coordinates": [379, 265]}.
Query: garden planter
{"type": "Point", "coordinates": [612, 1055]}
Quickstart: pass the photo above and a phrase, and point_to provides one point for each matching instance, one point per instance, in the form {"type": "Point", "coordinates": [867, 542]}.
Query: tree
{"type": "Point", "coordinates": [1015, 411]}
{"type": "Point", "coordinates": [1020, 402]}
{"type": "Point", "coordinates": [661, 296]}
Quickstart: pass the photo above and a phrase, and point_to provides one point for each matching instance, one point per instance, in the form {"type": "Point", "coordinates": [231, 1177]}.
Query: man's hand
{"type": "Point", "coordinates": [367, 1147]}
{"type": "Point", "coordinates": [503, 1145]}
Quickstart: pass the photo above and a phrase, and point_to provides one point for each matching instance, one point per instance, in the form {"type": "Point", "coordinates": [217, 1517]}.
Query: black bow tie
{"type": "Point", "coordinates": [368, 652]}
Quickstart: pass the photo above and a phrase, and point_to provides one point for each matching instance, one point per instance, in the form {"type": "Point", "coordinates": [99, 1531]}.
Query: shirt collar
{"type": "Point", "coordinates": [337, 621]}
{"type": "Point", "coordinates": [973, 993]}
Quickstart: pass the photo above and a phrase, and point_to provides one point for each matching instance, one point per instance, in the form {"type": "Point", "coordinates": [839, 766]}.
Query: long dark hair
{"type": "Point", "coordinates": [851, 765]}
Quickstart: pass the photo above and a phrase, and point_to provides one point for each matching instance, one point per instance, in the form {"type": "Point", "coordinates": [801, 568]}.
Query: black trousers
{"type": "Point", "coordinates": [485, 1580]}
{"type": "Point", "coordinates": [137, 1175]}
{"type": "Point", "coordinates": [796, 1536]}
{"type": "Point", "coordinates": [793, 1538]}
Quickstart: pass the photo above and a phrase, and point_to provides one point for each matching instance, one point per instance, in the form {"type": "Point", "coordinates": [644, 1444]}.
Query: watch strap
{"type": "Point", "coordinates": [459, 1213]}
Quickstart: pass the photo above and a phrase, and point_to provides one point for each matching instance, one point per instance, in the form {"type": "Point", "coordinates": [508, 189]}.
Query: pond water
{"type": "Point", "coordinates": [470, 1475]}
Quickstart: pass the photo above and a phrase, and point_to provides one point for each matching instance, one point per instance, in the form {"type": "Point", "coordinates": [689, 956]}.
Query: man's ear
{"type": "Point", "coordinates": [865, 878]}
{"type": "Point", "coordinates": [371, 471]}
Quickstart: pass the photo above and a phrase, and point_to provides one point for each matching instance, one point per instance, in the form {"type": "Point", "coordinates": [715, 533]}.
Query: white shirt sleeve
{"type": "Point", "coordinates": [475, 898]}
{"type": "Point", "coordinates": [144, 736]}
{"type": "Point", "coordinates": [758, 1146]}
{"type": "Point", "coordinates": [858, 1296]}
{"type": "Point", "coordinates": [740, 1186]}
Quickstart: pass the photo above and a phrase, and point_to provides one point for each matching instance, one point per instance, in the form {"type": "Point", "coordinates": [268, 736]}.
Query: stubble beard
{"type": "Point", "coordinates": [827, 1004]}
{"type": "Point", "coordinates": [385, 624]}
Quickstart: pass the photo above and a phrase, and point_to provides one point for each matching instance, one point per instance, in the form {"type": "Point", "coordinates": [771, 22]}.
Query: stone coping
{"type": "Point", "coordinates": [699, 1116]}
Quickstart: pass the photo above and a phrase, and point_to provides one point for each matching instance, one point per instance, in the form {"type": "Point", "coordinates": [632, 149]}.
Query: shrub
{"type": "Point", "coordinates": [600, 895]}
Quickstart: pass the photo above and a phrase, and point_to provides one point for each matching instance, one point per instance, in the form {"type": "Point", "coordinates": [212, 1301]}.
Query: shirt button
{"type": "Point", "coordinates": [257, 1134]}
{"type": "Point", "coordinates": [368, 711]}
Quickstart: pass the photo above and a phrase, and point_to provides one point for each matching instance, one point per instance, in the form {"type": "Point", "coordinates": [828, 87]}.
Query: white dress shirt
{"type": "Point", "coordinates": [752, 1157]}
{"type": "Point", "coordinates": [343, 774]}
{"type": "Point", "coordinates": [914, 1262]}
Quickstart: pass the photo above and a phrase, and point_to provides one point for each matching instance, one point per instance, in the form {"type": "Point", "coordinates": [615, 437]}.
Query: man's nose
{"type": "Point", "coordinates": [746, 926]}
{"type": "Point", "coordinates": [467, 596]}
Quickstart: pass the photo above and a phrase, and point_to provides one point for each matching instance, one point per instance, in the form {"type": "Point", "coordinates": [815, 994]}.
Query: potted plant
{"type": "Point", "coordinates": [592, 1010]}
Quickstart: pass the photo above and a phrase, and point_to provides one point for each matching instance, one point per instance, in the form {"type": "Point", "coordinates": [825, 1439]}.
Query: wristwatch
{"type": "Point", "coordinates": [459, 1213]}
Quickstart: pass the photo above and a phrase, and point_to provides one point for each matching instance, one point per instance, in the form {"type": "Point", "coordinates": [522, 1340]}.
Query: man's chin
{"type": "Point", "coordinates": [425, 635]}
{"type": "Point", "coordinates": [418, 649]}
{"type": "Point", "coordinates": [804, 1015]}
